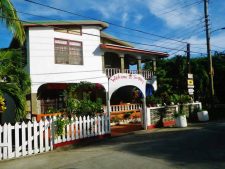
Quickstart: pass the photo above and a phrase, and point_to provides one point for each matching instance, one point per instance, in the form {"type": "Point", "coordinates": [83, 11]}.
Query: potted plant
{"type": "Point", "coordinates": [180, 117]}
{"type": "Point", "coordinates": [181, 114]}
{"type": "Point", "coordinates": [203, 115]}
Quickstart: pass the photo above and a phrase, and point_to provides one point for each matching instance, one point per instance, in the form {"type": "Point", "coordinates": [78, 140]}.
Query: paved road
{"type": "Point", "coordinates": [197, 147]}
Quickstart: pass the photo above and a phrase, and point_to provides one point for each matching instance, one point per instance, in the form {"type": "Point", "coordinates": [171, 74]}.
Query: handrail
{"type": "Point", "coordinates": [145, 73]}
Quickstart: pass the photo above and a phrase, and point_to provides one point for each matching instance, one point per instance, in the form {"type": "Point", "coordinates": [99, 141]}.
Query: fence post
{"type": "Point", "coordinates": [92, 126]}
{"type": "Point", "coordinates": [29, 140]}
{"type": "Point", "coordinates": [80, 126]}
{"type": "Point", "coordinates": [10, 155]}
{"type": "Point", "coordinates": [88, 126]}
{"type": "Point", "coordinates": [77, 129]}
{"type": "Point", "coordinates": [23, 126]}
{"type": "Point", "coordinates": [41, 136]}
{"type": "Point", "coordinates": [84, 126]}
{"type": "Point", "coordinates": [68, 131]}
{"type": "Point", "coordinates": [52, 133]}
{"type": "Point", "coordinates": [103, 124]}
{"type": "Point", "coordinates": [46, 126]}
{"type": "Point", "coordinates": [72, 128]}
{"type": "Point", "coordinates": [5, 134]}
{"type": "Point", "coordinates": [17, 153]}
{"type": "Point", "coordinates": [35, 137]}
{"type": "Point", "coordinates": [96, 121]}
{"type": "Point", "coordinates": [99, 125]}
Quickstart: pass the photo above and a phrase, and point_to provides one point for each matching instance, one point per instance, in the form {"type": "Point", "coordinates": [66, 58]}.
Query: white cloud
{"type": "Point", "coordinates": [122, 11]}
{"type": "Point", "coordinates": [138, 18]}
{"type": "Point", "coordinates": [172, 13]}
{"type": "Point", "coordinates": [124, 18]}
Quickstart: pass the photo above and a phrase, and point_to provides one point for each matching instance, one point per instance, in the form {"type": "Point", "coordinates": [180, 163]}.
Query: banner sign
{"type": "Point", "coordinates": [123, 79]}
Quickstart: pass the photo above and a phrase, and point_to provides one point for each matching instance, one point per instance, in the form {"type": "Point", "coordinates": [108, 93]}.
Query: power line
{"type": "Point", "coordinates": [88, 17]}
{"type": "Point", "coordinates": [197, 2]}
{"type": "Point", "coordinates": [110, 31]}
{"type": "Point", "coordinates": [133, 42]}
{"type": "Point", "coordinates": [175, 9]}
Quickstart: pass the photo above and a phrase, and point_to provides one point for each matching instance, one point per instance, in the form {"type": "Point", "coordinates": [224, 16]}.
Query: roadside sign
{"type": "Point", "coordinates": [190, 76]}
{"type": "Point", "coordinates": [191, 91]}
{"type": "Point", "coordinates": [190, 82]}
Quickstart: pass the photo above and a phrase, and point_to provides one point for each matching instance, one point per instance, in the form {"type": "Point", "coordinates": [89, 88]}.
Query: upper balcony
{"type": "Point", "coordinates": [145, 73]}
{"type": "Point", "coordinates": [121, 59]}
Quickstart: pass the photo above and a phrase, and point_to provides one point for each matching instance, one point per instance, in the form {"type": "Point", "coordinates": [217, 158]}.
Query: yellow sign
{"type": "Point", "coordinates": [190, 82]}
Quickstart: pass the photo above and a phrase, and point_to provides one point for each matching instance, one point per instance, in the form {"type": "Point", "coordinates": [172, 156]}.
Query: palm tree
{"type": "Point", "coordinates": [11, 19]}
{"type": "Point", "coordinates": [15, 82]}
{"type": "Point", "coordinates": [13, 79]}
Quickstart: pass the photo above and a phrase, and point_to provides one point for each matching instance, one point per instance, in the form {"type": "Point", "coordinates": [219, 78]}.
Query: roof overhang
{"type": "Point", "coordinates": [133, 51]}
{"type": "Point", "coordinates": [103, 25]}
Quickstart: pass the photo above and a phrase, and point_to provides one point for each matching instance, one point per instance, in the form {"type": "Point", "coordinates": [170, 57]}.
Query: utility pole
{"type": "Point", "coordinates": [190, 79]}
{"type": "Point", "coordinates": [211, 73]}
{"type": "Point", "coordinates": [188, 58]}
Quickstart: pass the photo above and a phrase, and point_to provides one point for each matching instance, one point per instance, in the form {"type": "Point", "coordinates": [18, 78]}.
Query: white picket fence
{"type": "Point", "coordinates": [37, 137]}
{"type": "Point", "coordinates": [25, 139]}
{"type": "Point", "coordinates": [84, 127]}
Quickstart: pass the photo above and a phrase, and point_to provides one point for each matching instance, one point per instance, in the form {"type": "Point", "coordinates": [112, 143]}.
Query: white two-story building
{"type": "Point", "coordinates": [64, 52]}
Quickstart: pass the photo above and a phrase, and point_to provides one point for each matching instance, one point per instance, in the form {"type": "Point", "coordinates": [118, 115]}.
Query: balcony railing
{"type": "Point", "coordinates": [123, 107]}
{"type": "Point", "coordinates": [112, 71]}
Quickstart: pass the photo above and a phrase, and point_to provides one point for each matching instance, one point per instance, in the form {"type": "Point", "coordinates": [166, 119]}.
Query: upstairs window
{"type": "Point", "coordinates": [68, 52]}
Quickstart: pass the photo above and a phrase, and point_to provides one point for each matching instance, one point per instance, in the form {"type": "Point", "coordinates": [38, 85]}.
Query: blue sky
{"type": "Point", "coordinates": [177, 19]}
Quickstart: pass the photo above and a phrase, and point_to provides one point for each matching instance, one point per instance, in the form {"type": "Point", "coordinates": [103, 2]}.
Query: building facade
{"type": "Point", "coordinates": [60, 53]}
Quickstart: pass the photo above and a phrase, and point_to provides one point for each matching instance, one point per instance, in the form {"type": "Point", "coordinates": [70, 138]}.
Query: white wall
{"type": "Point", "coordinates": [42, 65]}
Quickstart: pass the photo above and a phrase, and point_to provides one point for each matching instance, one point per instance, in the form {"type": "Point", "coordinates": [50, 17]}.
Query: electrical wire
{"type": "Point", "coordinates": [117, 25]}
{"type": "Point", "coordinates": [133, 42]}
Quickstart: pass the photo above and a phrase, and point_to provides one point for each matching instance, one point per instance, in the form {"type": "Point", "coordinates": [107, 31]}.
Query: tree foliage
{"type": "Point", "coordinates": [172, 77]}
{"type": "Point", "coordinates": [14, 80]}
{"type": "Point", "coordinates": [9, 16]}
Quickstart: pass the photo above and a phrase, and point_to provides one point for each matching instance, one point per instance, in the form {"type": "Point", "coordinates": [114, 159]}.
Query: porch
{"type": "Point", "coordinates": [120, 59]}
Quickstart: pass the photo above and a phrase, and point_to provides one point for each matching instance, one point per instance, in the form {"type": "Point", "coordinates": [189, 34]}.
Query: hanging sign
{"type": "Point", "coordinates": [123, 79]}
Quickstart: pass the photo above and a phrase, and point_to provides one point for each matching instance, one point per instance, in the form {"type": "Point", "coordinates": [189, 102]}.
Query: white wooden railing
{"type": "Point", "coordinates": [129, 71]}
{"type": "Point", "coordinates": [123, 107]}
{"type": "Point", "coordinates": [84, 127]}
{"type": "Point", "coordinates": [112, 71]}
{"type": "Point", "coordinates": [25, 139]}
{"type": "Point", "coordinates": [147, 74]}
{"type": "Point", "coordinates": [34, 137]}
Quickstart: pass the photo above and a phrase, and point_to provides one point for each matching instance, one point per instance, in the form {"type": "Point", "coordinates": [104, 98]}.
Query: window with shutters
{"type": "Point", "coordinates": [68, 52]}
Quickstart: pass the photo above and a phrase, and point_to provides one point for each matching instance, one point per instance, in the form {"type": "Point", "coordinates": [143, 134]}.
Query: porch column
{"type": "Point", "coordinates": [122, 65]}
{"type": "Point", "coordinates": [139, 65]}
{"type": "Point", "coordinates": [34, 109]}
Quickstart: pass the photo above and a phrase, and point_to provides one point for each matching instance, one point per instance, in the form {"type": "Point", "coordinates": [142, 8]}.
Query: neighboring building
{"type": "Point", "coordinates": [65, 52]}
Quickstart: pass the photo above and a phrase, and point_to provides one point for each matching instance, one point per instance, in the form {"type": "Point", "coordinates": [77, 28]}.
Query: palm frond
{"type": "Point", "coordinates": [11, 19]}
